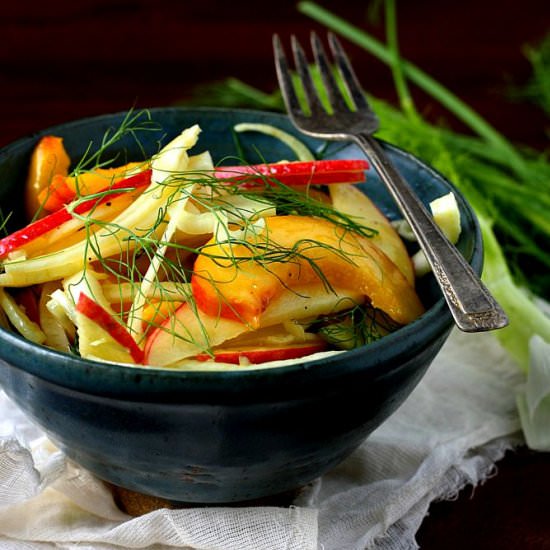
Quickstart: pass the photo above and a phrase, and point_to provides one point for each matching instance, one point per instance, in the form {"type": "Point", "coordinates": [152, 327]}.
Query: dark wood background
{"type": "Point", "coordinates": [62, 60]}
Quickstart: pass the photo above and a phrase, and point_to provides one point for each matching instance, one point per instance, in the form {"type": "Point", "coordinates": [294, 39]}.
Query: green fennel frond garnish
{"type": "Point", "coordinates": [131, 126]}
{"type": "Point", "coordinates": [3, 222]}
{"type": "Point", "coordinates": [354, 327]}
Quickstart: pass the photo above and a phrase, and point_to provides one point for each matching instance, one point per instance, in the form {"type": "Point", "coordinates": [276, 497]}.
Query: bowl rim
{"type": "Point", "coordinates": [74, 372]}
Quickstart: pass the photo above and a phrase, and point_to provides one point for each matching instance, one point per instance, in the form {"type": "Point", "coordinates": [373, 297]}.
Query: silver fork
{"type": "Point", "coordinates": [473, 307]}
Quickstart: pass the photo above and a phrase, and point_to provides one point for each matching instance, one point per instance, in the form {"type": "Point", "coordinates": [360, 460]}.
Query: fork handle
{"type": "Point", "coordinates": [472, 306]}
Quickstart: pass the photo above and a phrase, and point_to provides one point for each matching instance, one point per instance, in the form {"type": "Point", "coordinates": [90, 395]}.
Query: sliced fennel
{"type": "Point", "coordinates": [446, 215]}
{"type": "Point", "coordinates": [526, 318]}
{"type": "Point", "coordinates": [171, 160]}
{"type": "Point", "coordinates": [57, 337]}
{"type": "Point", "coordinates": [298, 148]}
{"type": "Point", "coordinates": [533, 400]}
{"type": "Point", "coordinates": [94, 340]}
{"type": "Point", "coordinates": [20, 320]}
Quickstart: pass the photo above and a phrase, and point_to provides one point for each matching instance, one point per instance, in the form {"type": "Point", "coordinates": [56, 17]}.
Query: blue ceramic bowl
{"type": "Point", "coordinates": [220, 437]}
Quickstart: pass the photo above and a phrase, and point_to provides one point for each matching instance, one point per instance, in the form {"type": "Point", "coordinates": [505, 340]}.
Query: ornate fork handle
{"type": "Point", "coordinates": [471, 304]}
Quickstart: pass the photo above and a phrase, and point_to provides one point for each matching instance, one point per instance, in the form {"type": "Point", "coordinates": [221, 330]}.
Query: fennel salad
{"type": "Point", "coordinates": [176, 261]}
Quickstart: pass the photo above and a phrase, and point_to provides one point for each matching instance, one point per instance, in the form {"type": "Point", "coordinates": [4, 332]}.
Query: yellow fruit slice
{"type": "Point", "coordinates": [239, 281]}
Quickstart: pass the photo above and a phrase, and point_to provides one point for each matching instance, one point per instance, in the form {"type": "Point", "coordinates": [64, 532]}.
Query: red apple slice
{"type": "Point", "coordinates": [273, 343]}
{"type": "Point", "coordinates": [315, 172]}
{"type": "Point", "coordinates": [263, 355]}
{"type": "Point", "coordinates": [191, 332]}
{"type": "Point", "coordinates": [101, 336]}
{"type": "Point", "coordinates": [187, 333]}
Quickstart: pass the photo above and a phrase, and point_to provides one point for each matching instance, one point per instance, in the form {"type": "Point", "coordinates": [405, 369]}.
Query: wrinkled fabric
{"type": "Point", "coordinates": [450, 433]}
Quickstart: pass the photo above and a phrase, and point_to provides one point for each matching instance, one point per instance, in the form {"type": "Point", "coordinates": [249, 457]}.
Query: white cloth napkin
{"type": "Point", "coordinates": [449, 433]}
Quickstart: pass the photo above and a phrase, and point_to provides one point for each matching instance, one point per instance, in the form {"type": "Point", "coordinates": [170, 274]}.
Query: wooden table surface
{"type": "Point", "coordinates": [62, 60]}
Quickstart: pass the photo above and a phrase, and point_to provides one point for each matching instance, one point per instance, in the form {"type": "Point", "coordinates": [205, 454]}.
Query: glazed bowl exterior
{"type": "Point", "coordinates": [230, 436]}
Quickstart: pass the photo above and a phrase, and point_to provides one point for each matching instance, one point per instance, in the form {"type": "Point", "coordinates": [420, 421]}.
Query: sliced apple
{"type": "Point", "coordinates": [312, 172]}
{"type": "Point", "coordinates": [446, 214]}
{"type": "Point", "coordinates": [191, 332]}
{"type": "Point", "coordinates": [27, 299]}
{"type": "Point", "coordinates": [187, 333]}
{"type": "Point", "coordinates": [101, 336]}
{"type": "Point", "coordinates": [155, 312]}
{"type": "Point", "coordinates": [268, 344]}
{"type": "Point", "coordinates": [254, 355]}
{"type": "Point", "coordinates": [101, 333]}
{"type": "Point", "coordinates": [298, 251]}
{"type": "Point", "coordinates": [350, 200]}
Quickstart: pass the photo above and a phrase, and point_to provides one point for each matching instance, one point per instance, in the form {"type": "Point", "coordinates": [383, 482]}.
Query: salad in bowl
{"type": "Point", "coordinates": [177, 260]}
{"type": "Point", "coordinates": [205, 306]}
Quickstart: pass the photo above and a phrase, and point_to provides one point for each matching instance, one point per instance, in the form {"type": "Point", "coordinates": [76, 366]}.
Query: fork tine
{"type": "Point", "coordinates": [283, 76]}
{"type": "Point", "coordinates": [334, 95]}
{"type": "Point", "coordinates": [348, 74]}
{"type": "Point", "coordinates": [302, 66]}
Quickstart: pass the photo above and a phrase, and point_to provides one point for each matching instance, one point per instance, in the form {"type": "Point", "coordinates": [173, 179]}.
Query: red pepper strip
{"type": "Point", "coordinates": [40, 227]}
{"type": "Point", "coordinates": [317, 172]}
{"type": "Point", "coordinates": [107, 322]}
